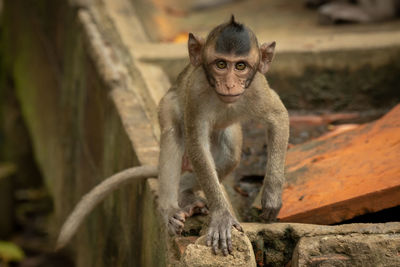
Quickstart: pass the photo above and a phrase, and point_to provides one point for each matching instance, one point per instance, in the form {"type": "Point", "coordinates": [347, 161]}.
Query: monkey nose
{"type": "Point", "coordinates": [230, 86]}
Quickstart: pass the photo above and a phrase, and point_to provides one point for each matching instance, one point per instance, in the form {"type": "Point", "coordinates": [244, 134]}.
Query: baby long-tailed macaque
{"type": "Point", "coordinates": [199, 120]}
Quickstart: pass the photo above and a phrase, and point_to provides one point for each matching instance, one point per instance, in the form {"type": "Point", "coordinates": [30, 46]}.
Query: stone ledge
{"type": "Point", "coordinates": [351, 250]}
{"type": "Point", "coordinates": [274, 244]}
{"type": "Point", "coordinates": [199, 255]}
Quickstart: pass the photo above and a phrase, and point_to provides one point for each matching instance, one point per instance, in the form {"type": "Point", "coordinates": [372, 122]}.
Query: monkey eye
{"type": "Point", "coordinates": [240, 66]}
{"type": "Point", "coordinates": [221, 64]}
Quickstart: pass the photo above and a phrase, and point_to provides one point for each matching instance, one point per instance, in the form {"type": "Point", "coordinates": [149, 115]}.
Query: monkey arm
{"type": "Point", "coordinates": [96, 195]}
{"type": "Point", "coordinates": [170, 163]}
{"type": "Point", "coordinates": [199, 152]}
{"type": "Point", "coordinates": [221, 221]}
{"type": "Point", "coordinates": [270, 111]}
{"type": "Point", "coordinates": [277, 121]}
{"type": "Point", "coordinates": [277, 136]}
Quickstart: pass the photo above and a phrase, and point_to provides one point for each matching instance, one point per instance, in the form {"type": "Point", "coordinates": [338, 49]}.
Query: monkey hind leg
{"type": "Point", "coordinates": [193, 203]}
{"type": "Point", "coordinates": [190, 196]}
{"type": "Point", "coordinates": [189, 204]}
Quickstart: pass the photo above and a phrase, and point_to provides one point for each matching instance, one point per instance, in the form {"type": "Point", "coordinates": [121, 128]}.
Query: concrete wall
{"type": "Point", "coordinates": [78, 117]}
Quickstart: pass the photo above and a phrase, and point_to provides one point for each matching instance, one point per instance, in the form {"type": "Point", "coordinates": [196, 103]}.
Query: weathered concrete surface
{"type": "Point", "coordinates": [288, 22]}
{"type": "Point", "coordinates": [346, 67]}
{"type": "Point", "coordinates": [182, 242]}
{"type": "Point", "coordinates": [199, 255]}
{"type": "Point", "coordinates": [348, 250]}
{"type": "Point", "coordinates": [339, 79]}
{"type": "Point", "coordinates": [332, 179]}
{"type": "Point", "coordinates": [85, 122]}
{"type": "Point", "coordinates": [275, 243]}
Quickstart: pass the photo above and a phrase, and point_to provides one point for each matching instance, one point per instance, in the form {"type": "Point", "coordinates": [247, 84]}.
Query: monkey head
{"type": "Point", "coordinates": [230, 58]}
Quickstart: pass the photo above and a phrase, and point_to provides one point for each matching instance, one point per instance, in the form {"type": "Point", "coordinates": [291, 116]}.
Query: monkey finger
{"type": "Point", "coordinates": [209, 237]}
{"type": "Point", "coordinates": [199, 204]}
{"type": "Point", "coordinates": [196, 207]}
{"type": "Point", "coordinates": [177, 223]}
{"type": "Point", "coordinates": [181, 216]}
{"type": "Point", "coordinates": [223, 243]}
{"type": "Point", "coordinates": [175, 227]}
{"type": "Point", "coordinates": [238, 227]}
{"type": "Point", "coordinates": [190, 210]}
{"type": "Point", "coordinates": [215, 242]}
{"type": "Point", "coordinates": [229, 241]}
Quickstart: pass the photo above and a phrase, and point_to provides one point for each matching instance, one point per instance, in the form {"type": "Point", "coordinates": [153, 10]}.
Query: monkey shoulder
{"type": "Point", "coordinates": [262, 102]}
{"type": "Point", "coordinates": [197, 87]}
{"type": "Point", "coordinates": [259, 90]}
{"type": "Point", "coordinates": [184, 76]}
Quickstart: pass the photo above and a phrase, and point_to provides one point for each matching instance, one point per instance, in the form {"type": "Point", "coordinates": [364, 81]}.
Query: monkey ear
{"type": "Point", "coordinates": [266, 56]}
{"type": "Point", "coordinates": [195, 47]}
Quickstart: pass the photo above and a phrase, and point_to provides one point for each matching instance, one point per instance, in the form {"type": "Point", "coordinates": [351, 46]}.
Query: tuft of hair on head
{"type": "Point", "coordinates": [233, 23]}
{"type": "Point", "coordinates": [232, 37]}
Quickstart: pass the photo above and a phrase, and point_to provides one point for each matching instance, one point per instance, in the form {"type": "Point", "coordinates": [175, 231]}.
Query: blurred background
{"type": "Point", "coordinates": [336, 67]}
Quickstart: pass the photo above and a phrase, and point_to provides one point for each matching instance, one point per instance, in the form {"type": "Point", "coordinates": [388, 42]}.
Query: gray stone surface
{"type": "Point", "coordinates": [275, 243]}
{"type": "Point", "coordinates": [85, 123]}
{"type": "Point", "coordinates": [348, 250]}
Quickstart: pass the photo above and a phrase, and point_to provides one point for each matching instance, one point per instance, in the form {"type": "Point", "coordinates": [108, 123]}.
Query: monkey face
{"type": "Point", "coordinates": [230, 58]}
{"type": "Point", "coordinates": [230, 75]}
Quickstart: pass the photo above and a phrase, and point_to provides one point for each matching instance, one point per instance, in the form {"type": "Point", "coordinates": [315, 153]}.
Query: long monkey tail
{"type": "Point", "coordinates": [96, 195]}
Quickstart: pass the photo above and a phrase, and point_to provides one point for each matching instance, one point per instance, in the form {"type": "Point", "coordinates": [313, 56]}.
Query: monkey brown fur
{"type": "Point", "coordinates": [199, 121]}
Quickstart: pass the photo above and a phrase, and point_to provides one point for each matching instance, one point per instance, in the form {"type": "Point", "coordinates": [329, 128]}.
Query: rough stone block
{"type": "Point", "coordinates": [181, 243]}
{"type": "Point", "coordinates": [332, 179]}
{"type": "Point", "coordinates": [274, 244]}
{"type": "Point", "coordinates": [199, 255]}
{"type": "Point", "coordinates": [348, 250]}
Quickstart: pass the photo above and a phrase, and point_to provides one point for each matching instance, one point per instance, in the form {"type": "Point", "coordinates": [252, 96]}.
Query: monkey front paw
{"type": "Point", "coordinates": [176, 222]}
{"type": "Point", "coordinates": [270, 210]}
{"type": "Point", "coordinates": [219, 232]}
{"type": "Point", "coordinates": [270, 214]}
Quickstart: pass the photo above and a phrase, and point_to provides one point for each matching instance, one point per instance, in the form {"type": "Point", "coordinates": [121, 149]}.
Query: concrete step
{"type": "Point", "coordinates": [352, 67]}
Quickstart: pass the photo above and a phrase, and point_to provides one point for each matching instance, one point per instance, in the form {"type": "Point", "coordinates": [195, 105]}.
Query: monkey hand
{"type": "Point", "coordinates": [219, 231]}
{"type": "Point", "coordinates": [176, 220]}
{"type": "Point", "coordinates": [271, 204]}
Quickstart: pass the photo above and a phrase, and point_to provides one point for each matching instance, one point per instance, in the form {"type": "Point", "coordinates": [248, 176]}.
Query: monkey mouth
{"type": "Point", "coordinates": [227, 98]}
